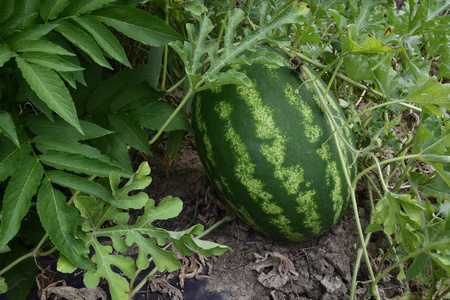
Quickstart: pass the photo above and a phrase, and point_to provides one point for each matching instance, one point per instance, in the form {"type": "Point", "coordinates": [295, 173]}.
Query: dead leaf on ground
{"type": "Point", "coordinates": [67, 292]}
{"type": "Point", "coordinates": [281, 269]}
{"type": "Point", "coordinates": [161, 285]}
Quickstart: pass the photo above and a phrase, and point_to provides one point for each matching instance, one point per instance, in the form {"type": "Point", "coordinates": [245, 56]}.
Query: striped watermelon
{"type": "Point", "coordinates": [269, 151]}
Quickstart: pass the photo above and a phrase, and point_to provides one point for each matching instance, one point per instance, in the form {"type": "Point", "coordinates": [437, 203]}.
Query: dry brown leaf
{"type": "Point", "coordinates": [68, 292]}
{"type": "Point", "coordinates": [160, 285]}
{"type": "Point", "coordinates": [280, 269]}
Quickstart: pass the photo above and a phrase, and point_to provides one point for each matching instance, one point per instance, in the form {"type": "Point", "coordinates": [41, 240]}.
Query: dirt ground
{"type": "Point", "coordinates": [258, 267]}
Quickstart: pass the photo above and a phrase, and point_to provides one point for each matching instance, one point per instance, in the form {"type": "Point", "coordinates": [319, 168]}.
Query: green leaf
{"type": "Point", "coordinates": [104, 38]}
{"type": "Point", "coordinates": [154, 114]}
{"type": "Point", "coordinates": [368, 45]}
{"type": "Point", "coordinates": [430, 94]}
{"type": "Point", "coordinates": [77, 8]}
{"type": "Point", "coordinates": [3, 285]}
{"type": "Point", "coordinates": [138, 25]}
{"type": "Point", "coordinates": [50, 88]}
{"type": "Point", "coordinates": [10, 156]}
{"type": "Point", "coordinates": [174, 142]}
{"type": "Point", "coordinates": [7, 9]}
{"type": "Point", "coordinates": [118, 285]}
{"type": "Point", "coordinates": [83, 41]}
{"type": "Point", "coordinates": [193, 52]}
{"type": "Point", "coordinates": [358, 68]}
{"type": "Point", "coordinates": [31, 33]}
{"type": "Point", "coordinates": [138, 181]}
{"type": "Point", "coordinates": [134, 97]}
{"type": "Point", "coordinates": [120, 82]}
{"type": "Point", "coordinates": [5, 54]}
{"type": "Point", "coordinates": [80, 164]}
{"type": "Point", "coordinates": [64, 265]}
{"type": "Point", "coordinates": [41, 125]}
{"type": "Point", "coordinates": [7, 127]}
{"type": "Point", "coordinates": [130, 131]}
{"type": "Point", "coordinates": [430, 186]}
{"type": "Point", "coordinates": [21, 188]}
{"type": "Point", "coordinates": [96, 212]}
{"type": "Point", "coordinates": [60, 222]}
{"type": "Point", "coordinates": [113, 146]}
{"type": "Point", "coordinates": [50, 9]}
{"type": "Point", "coordinates": [401, 215]}
{"type": "Point", "coordinates": [41, 46]}
{"type": "Point", "coordinates": [81, 184]}
{"type": "Point", "coordinates": [51, 61]}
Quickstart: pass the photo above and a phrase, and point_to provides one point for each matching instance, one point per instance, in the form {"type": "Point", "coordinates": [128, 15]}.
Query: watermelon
{"type": "Point", "coordinates": [269, 150]}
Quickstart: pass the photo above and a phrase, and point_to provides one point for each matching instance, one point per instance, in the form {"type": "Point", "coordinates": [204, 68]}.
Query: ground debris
{"type": "Point", "coordinates": [161, 285]}
{"type": "Point", "coordinates": [275, 269]}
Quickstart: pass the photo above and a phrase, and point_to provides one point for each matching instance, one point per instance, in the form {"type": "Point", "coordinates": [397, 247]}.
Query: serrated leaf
{"type": "Point", "coordinates": [21, 188]}
{"type": "Point", "coordinates": [138, 25]}
{"type": "Point", "coordinates": [5, 54]}
{"type": "Point", "coordinates": [50, 9]}
{"type": "Point", "coordinates": [113, 146]}
{"type": "Point", "coordinates": [118, 285]}
{"type": "Point", "coordinates": [60, 222]}
{"type": "Point", "coordinates": [7, 127]}
{"type": "Point", "coordinates": [41, 46]}
{"type": "Point", "coordinates": [80, 164]}
{"type": "Point", "coordinates": [135, 97]}
{"type": "Point", "coordinates": [401, 215]}
{"type": "Point", "coordinates": [120, 82]}
{"type": "Point", "coordinates": [138, 181]}
{"type": "Point", "coordinates": [104, 38]}
{"type": "Point", "coordinates": [7, 9]}
{"type": "Point", "coordinates": [81, 184]}
{"type": "Point", "coordinates": [130, 131]}
{"type": "Point", "coordinates": [31, 33]}
{"type": "Point", "coordinates": [51, 61]}
{"type": "Point", "coordinates": [50, 88]}
{"type": "Point", "coordinates": [41, 125]}
{"type": "Point", "coordinates": [10, 156]}
{"type": "Point", "coordinates": [154, 114]}
{"type": "Point", "coordinates": [77, 8]}
{"type": "Point", "coordinates": [83, 41]}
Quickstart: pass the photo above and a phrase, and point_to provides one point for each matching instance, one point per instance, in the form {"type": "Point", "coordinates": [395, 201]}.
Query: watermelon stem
{"type": "Point", "coordinates": [172, 116]}
{"type": "Point", "coordinates": [339, 137]}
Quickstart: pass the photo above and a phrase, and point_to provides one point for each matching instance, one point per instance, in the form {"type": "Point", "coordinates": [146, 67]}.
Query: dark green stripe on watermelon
{"type": "Point", "coordinates": [267, 149]}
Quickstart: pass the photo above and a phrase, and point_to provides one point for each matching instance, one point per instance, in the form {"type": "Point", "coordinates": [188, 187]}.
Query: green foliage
{"type": "Point", "coordinates": [77, 94]}
{"type": "Point", "coordinates": [63, 124]}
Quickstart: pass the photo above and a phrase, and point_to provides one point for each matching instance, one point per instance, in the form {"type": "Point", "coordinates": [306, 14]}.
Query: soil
{"type": "Point", "coordinates": [257, 267]}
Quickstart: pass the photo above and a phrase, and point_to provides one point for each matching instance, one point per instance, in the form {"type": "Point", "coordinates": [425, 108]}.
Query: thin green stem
{"type": "Point", "coordinates": [338, 136]}
{"type": "Point", "coordinates": [411, 255]}
{"type": "Point", "coordinates": [222, 27]}
{"type": "Point", "coordinates": [172, 116]}
{"type": "Point", "coordinates": [387, 161]}
{"type": "Point", "coordinates": [360, 252]}
{"type": "Point", "coordinates": [22, 258]}
{"type": "Point", "coordinates": [165, 57]}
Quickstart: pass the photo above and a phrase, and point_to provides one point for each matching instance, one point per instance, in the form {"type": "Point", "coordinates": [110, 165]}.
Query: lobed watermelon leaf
{"type": "Point", "coordinates": [193, 51]}
{"type": "Point", "coordinates": [400, 215]}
